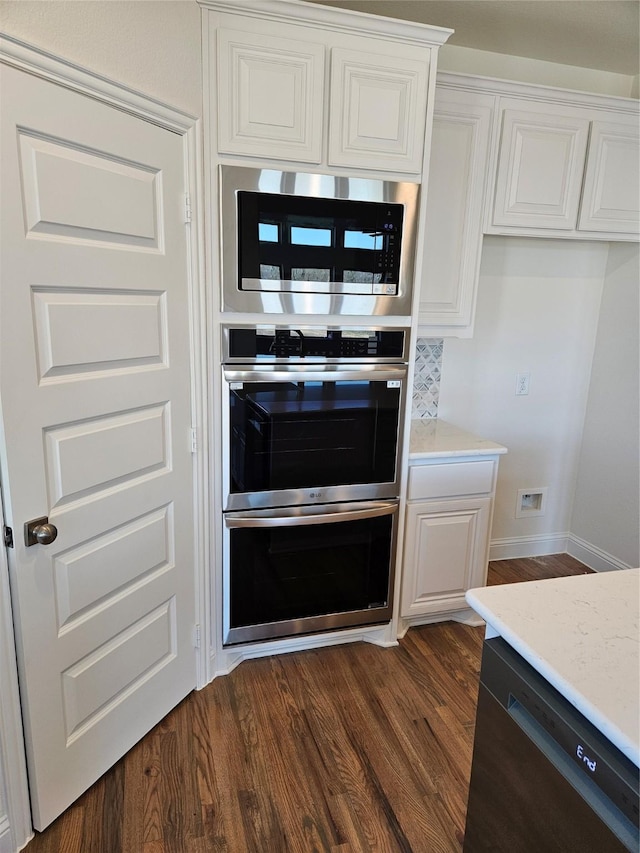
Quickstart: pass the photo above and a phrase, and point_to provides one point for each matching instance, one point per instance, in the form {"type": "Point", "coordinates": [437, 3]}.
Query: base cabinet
{"type": "Point", "coordinates": [447, 529]}
{"type": "Point", "coordinates": [446, 550]}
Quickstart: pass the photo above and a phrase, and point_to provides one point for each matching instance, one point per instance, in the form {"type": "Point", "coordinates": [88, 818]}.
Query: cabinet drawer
{"type": "Point", "coordinates": [443, 480]}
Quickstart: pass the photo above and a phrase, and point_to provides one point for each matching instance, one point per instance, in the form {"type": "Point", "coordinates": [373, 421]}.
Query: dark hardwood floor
{"type": "Point", "coordinates": [345, 749]}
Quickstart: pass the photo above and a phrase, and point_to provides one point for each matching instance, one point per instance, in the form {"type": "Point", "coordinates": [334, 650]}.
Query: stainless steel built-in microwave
{"type": "Point", "coordinates": [300, 243]}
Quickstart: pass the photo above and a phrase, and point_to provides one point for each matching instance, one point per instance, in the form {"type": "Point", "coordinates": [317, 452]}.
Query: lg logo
{"type": "Point", "coordinates": [591, 763]}
{"type": "Point", "coordinates": [317, 495]}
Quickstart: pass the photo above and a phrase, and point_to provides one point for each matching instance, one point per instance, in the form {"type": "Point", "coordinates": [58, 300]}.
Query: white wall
{"type": "Point", "coordinates": [606, 515]}
{"type": "Point", "coordinates": [466, 60]}
{"type": "Point", "coordinates": [153, 46]}
{"type": "Point", "coordinates": [538, 303]}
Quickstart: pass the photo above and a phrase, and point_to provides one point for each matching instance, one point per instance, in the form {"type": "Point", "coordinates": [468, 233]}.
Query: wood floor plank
{"type": "Point", "coordinates": [340, 749]}
{"type": "Point", "coordinates": [534, 568]}
{"type": "Point", "coordinates": [133, 799]}
{"type": "Point", "coordinates": [208, 794]}
{"type": "Point", "coordinates": [151, 792]}
{"type": "Point", "coordinates": [73, 829]}
{"type": "Point", "coordinates": [303, 814]}
{"type": "Point", "coordinates": [223, 815]}
{"type": "Point", "coordinates": [347, 749]}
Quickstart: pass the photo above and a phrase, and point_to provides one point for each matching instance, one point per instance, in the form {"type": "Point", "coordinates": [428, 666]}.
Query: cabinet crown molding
{"type": "Point", "coordinates": [536, 91]}
{"type": "Point", "coordinates": [340, 20]}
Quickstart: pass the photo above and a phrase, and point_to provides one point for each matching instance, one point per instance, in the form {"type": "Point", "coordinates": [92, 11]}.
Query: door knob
{"type": "Point", "coordinates": [38, 531]}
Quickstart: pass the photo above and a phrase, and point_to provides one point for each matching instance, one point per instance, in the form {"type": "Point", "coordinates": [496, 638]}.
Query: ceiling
{"type": "Point", "coordinates": [599, 34]}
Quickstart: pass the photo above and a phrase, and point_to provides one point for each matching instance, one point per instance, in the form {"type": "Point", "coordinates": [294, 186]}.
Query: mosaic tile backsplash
{"type": "Point", "coordinates": [426, 380]}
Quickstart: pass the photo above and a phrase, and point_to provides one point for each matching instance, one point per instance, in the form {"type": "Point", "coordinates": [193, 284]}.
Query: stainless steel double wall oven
{"type": "Point", "coordinates": [313, 418]}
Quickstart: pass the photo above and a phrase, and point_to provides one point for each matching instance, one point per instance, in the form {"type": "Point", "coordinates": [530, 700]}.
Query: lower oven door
{"type": "Point", "coordinates": [305, 569]}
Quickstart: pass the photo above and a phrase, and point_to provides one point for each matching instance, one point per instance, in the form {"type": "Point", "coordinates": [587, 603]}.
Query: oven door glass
{"type": "Point", "coordinates": [302, 434]}
{"type": "Point", "coordinates": [308, 569]}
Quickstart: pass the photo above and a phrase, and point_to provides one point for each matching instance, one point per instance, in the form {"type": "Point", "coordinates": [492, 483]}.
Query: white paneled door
{"type": "Point", "coordinates": [96, 413]}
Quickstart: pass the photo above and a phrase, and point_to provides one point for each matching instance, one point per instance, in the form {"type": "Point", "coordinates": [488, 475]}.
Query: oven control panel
{"type": "Point", "coordinates": [265, 344]}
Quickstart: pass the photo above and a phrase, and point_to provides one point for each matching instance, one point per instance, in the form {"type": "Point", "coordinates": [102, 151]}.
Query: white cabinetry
{"type": "Point", "coordinates": [612, 179]}
{"type": "Point", "coordinates": [452, 240]}
{"type": "Point", "coordinates": [377, 109]}
{"type": "Point", "coordinates": [540, 168]}
{"type": "Point", "coordinates": [511, 158]}
{"type": "Point", "coordinates": [270, 96]}
{"type": "Point", "coordinates": [309, 84]}
{"type": "Point", "coordinates": [566, 170]}
{"type": "Point", "coordinates": [447, 526]}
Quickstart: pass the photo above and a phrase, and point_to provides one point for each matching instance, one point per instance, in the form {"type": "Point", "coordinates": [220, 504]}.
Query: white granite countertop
{"type": "Point", "coordinates": [581, 634]}
{"type": "Point", "coordinates": [432, 437]}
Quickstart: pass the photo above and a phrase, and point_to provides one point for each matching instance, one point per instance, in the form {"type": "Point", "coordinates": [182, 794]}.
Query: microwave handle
{"type": "Point", "coordinates": [320, 514]}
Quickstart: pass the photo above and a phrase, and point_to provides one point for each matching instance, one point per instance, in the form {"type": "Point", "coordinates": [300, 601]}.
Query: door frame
{"type": "Point", "coordinates": [54, 69]}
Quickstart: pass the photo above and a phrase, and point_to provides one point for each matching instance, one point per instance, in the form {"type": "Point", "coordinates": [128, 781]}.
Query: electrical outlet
{"type": "Point", "coordinates": [522, 384]}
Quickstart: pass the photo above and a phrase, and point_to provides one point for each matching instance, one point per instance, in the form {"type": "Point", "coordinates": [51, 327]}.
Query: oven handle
{"type": "Point", "coordinates": [316, 373]}
{"type": "Point", "coordinates": [307, 515]}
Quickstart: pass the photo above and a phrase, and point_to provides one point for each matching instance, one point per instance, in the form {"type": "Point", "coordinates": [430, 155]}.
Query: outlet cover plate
{"type": "Point", "coordinates": [531, 502]}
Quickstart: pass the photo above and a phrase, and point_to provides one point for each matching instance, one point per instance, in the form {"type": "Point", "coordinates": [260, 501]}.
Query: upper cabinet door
{"type": "Point", "coordinates": [540, 167]}
{"type": "Point", "coordinates": [270, 96]}
{"type": "Point", "coordinates": [453, 226]}
{"type": "Point", "coordinates": [378, 110]}
{"type": "Point", "coordinates": [611, 196]}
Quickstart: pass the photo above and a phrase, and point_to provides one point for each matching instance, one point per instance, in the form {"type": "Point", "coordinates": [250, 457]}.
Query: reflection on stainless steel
{"type": "Point", "coordinates": [292, 497]}
{"type": "Point", "coordinates": [284, 286]}
{"type": "Point", "coordinates": [315, 373]}
{"type": "Point", "coordinates": [311, 297]}
{"type": "Point", "coordinates": [308, 625]}
{"type": "Point", "coordinates": [296, 516]}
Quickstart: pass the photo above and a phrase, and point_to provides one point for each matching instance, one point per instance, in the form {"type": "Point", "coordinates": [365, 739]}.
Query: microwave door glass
{"type": "Point", "coordinates": [325, 242]}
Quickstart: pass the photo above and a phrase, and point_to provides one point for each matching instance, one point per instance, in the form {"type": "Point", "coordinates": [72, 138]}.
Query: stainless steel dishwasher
{"type": "Point", "coordinates": [543, 778]}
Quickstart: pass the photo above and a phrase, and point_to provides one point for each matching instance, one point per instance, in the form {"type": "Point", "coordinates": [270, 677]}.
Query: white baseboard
{"type": "Point", "coordinates": [528, 546]}
{"type": "Point", "coordinates": [465, 615]}
{"type": "Point", "coordinates": [592, 556]}
{"type": "Point", "coordinates": [555, 543]}
{"type": "Point", "coordinates": [229, 658]}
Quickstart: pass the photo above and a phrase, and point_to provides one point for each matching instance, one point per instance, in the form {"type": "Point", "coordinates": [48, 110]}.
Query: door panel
{"type": "Point", "coordinates": [94, 382]}
{"type": "Point", "coordinates": [115, 201]}
{"type": "Point", "coordinates": [93, 574]}
{"type": "Point", "coordinates": [85, 458]}
{"type": "Point", "coordinates": [113, 331]}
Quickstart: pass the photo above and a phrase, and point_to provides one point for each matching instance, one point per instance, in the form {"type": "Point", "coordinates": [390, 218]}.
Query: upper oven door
{"type": "Point", "coordinates": [300, 243]}
{"type": "Point", "coordinates": [298, 435]}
